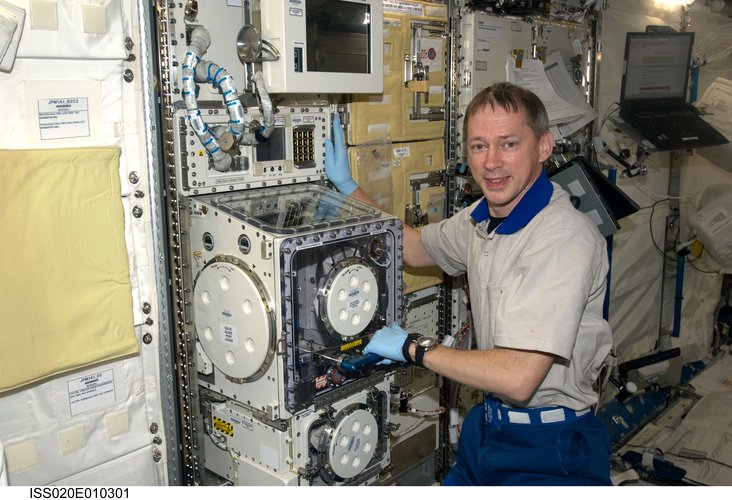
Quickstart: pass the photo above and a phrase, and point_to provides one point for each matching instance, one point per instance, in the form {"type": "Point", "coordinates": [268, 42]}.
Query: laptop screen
{"type": "Point", "coordinates": [656, 68]}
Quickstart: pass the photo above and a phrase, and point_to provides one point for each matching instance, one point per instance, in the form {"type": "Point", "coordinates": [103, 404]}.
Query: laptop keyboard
{"type": "Point", "coordinates": [669, 129]}
{"type": "Point", "coordinates": [668, 123]}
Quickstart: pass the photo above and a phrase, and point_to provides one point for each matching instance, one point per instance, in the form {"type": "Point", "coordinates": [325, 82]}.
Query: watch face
{"type": "Point", "coordinates": [426, 342]}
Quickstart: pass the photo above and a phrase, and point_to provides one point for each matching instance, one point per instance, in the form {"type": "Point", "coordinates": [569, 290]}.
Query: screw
{"type": "Point", "coordinates": [153, 427]}
{"type": "Point", "coordinates": [128, 75]}
{"type": "Point", "coordinates": [137, 211]}
{"type": "Point", "coordinates": [134, 178]}
{"type": "Point", "coordinates": [147, 338]}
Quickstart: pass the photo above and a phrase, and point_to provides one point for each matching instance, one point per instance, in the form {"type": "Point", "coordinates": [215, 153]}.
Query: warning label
{"type": "Point", "coordinates": [63, 118]}
{"type": "Point", "coordinates": [91, 391]}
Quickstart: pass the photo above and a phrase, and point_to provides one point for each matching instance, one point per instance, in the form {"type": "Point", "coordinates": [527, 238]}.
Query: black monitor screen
{"type": "Point", "coordinates": [338, 36]}
{"type": "Point", "coordinates": [275, 148]}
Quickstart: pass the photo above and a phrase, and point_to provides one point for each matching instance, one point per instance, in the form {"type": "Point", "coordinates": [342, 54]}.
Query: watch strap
{"type": "Point", "coordinates": [419, 355]}
{"type": "Point", "coordinates": [411, 338]}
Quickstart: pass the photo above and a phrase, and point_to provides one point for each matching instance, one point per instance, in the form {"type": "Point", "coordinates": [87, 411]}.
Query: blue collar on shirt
{"type": "Point", "coordinates": [535, 199]}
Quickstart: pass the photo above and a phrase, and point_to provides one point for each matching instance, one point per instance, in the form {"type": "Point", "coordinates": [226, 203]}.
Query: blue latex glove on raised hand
{"type": "Point", "coordinates": [337, 167]}
{"type": "Point", "coordinates": [387, 342]}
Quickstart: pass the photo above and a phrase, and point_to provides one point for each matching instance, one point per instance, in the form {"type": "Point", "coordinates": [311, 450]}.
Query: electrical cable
{"type": "Point", "coordinates": [407, 430]}
{"type": "Point", "coordinates": [613, 108]}
{"type": "Point", "coordinates": [701, 271]}
{"type": "Point", "coordinates": [664, 254]}
{"type": "Point", "coordinates": [426, 413]}
{"type": "Point", "coordinates": [663, 197]}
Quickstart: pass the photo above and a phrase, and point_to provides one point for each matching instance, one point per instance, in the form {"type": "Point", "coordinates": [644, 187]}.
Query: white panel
{"type": "Point", "coordinates": [487, 41]}
{"type": "Point", "coordinates": [33, 81]}
{"type": "Point", "coordinates": [64, 61]}
{"type": "Point", "coordinates": [64, 30]}
{"type": "Point", "coordinates": [48, 406]}
{"type": "Point", "coordinates": [136, 468]}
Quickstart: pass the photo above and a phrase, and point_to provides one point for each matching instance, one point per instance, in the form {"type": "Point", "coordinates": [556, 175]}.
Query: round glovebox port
{"type": "Point", "coordinates": [208, 241]}
{"type": "Point", "coordinates": [245, 245]}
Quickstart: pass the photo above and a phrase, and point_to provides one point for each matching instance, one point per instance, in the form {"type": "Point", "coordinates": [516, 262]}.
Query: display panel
{"type": "Point", "coordinates": [292, 153]}
{"type": "Point", "coordinates": [337, 36]}
{"type": "Point", "coordinates": [275, 149]}
{"type": "Point", "coordinates": [333, 46]}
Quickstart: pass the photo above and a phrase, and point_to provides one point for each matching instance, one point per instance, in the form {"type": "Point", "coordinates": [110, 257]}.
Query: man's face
{"type": "Point", "coordinates": [505, 156]}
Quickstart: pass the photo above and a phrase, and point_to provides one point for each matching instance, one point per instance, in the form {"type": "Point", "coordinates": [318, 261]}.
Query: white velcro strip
{"type": "Point", "coordinates": [551, 416]}
{"type": "Point", "coordinates": [647, 460]}
{"type": "Point", "coordinates": [43, 15]}
{"type": "Point", "coordinates": [517, 417]}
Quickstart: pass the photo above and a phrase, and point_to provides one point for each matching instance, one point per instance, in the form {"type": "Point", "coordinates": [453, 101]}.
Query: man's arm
{"type": "Point", "coordinates": [511, 374]}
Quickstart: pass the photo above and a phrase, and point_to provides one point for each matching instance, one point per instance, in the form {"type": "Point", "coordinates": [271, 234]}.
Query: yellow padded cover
{"type": "Point", "coordinates": [385, 117]}
{"type": "Point", "coordinates": [408, 159]}
{"type": "Point", "coordinates": [371, 169]}
{"type": "Point", "coordinates": [383, 171]}
{"type": "Point", "coordinates": [65, 293]}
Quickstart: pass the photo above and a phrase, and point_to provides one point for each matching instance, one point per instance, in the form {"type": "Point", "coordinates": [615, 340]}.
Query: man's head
{"type": "Point", "coordinates": [508, 138]}
{"type": "Point", "coordinates": [512, 98]}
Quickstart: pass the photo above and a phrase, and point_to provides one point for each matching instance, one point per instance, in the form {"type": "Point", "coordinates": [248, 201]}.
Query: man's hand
{"type": "Point", "coordinates": [387, 343]}
{"type": "Point", "coordinates": [337, 167]}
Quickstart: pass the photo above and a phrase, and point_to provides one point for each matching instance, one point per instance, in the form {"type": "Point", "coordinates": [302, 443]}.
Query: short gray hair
{"type": "Point", "coordinates": [513, 98]}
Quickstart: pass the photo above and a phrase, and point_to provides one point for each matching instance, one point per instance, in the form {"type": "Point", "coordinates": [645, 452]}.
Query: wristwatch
{"type": "Point", "coordinates": [422, 345]}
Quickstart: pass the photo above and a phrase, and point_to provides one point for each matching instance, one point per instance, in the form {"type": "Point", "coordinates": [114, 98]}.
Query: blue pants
{"type": "Point", "coordinates": [494, 451]}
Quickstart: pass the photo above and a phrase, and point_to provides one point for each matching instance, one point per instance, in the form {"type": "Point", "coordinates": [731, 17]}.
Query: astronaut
{"type": "Point", "coordinates": [537, 271]}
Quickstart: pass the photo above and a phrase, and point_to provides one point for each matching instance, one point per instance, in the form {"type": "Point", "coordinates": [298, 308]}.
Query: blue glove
{"type": "Point", "coordinates": [337, 167]}
{"type": "Point", "coordinates": [387, 343]}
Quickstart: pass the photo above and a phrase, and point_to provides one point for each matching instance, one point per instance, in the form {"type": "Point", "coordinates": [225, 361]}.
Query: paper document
{"type": "Point", "coordinates": [567, 109]}
{"type": "Point", "coordinates": [532, 76]}
{"type": "Point", "coordinates": [561, 81]}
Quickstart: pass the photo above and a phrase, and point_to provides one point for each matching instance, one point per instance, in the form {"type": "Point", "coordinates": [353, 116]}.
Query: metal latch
{"type": "Point", "coordinates": [417, 74]}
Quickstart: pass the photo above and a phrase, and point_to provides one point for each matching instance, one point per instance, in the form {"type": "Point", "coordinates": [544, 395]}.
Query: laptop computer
{"type": "Point", "coordinates": [653, 92]}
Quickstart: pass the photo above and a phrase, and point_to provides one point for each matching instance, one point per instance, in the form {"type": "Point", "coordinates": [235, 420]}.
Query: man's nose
{"type": "Point", "coordinates": [491, 159]}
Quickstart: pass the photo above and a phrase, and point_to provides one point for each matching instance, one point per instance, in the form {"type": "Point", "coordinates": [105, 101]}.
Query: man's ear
{"type": "Point", "coordinates": [546, 146]}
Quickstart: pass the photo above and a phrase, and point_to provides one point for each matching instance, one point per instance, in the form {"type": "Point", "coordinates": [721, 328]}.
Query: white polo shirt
{"type": "Point", "coordinates": [537, 283]}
